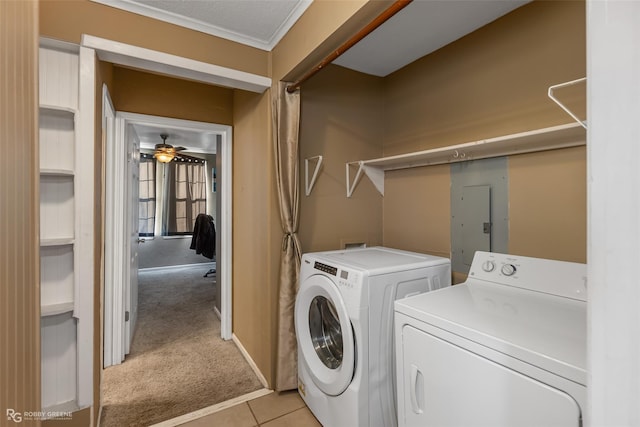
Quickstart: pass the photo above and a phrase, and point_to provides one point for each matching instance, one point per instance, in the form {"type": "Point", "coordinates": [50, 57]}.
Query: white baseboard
{"type": "Point", "coordinates": [217, 312]}
{"type": "Point", "coordinates": [201, 265]}
{"type": "Point", "coordinates": [99, 410]}
{"type": "Point", "coordinates": [253, 365]}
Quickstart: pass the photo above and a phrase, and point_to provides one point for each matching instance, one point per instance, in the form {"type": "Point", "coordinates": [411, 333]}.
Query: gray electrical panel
{"type": "Point", "coordinates": [479, 210]}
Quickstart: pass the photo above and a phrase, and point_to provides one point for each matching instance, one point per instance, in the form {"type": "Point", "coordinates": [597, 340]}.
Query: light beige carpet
{"type": "Point", "coordinates": [178, 363]}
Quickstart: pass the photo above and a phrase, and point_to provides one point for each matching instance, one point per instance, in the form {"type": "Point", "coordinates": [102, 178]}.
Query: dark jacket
{"type": "Point", "coordinates": [204, 236]}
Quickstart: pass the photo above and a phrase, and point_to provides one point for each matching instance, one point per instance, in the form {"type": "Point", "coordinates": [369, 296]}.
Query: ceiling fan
{"type": "Point", "coordinates": [164, 152]}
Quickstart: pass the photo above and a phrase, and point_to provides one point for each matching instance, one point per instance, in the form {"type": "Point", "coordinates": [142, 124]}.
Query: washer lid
{"type": "Point", "coordinates": [379, 260]}
{"type": "Point", "coordinates": [544, 330]}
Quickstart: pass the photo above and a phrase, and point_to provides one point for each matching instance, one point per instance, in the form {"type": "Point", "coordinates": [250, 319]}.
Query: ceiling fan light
{"type": "Point", "coordinates": [163, 157]}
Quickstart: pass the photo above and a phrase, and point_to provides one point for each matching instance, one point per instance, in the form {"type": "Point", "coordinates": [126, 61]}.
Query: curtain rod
{"type": "Point", "coordinates": [396, 7]}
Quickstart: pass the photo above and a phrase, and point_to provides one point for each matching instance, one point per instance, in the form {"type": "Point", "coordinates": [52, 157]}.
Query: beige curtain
{"type": "Point", "coordinates": [186, 196]}
{"type": "Point", "coordinates": [286, 121]}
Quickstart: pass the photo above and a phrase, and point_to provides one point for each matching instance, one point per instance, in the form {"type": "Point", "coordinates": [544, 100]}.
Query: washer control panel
{"type": "Point", "coordinates": [325, 268]}
{"type": "Point", "coordinates": [345, 278]}
{"type": "Point", "coordinates": [561, 278]}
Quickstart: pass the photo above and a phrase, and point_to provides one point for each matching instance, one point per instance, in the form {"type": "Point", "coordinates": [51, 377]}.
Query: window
{"type": "Point", "coordinates": [186, 196]}
{"type": "Point", "coordinates": [171, 195]}
{"type": "Point", "coordinates": [147, 196]}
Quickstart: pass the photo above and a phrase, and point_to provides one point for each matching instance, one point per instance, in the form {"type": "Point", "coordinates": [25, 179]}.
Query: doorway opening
{"type": "Point", "coordinates": [93, 48]}
{"type": "Point", "coordinates": [123, 133]}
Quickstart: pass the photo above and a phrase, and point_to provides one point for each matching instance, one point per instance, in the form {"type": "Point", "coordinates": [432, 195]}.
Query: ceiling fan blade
{"type": "Point", "coordinates": [179, 148]}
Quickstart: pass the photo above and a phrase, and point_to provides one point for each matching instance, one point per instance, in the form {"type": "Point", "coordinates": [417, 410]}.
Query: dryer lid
{"type": "Point", "coordinates": [541, 329]}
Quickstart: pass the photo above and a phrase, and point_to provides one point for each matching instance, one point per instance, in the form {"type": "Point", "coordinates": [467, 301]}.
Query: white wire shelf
{"type": "Point", "coordinates": [551, 138]}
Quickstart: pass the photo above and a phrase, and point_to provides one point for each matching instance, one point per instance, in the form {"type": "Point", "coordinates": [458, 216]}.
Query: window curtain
{"type": "Point", "coordinates": [286, 122]}
{"type": "Point", "coordinates": [186, 196]}
{"type": "Point", "coordinates": [147, 196]}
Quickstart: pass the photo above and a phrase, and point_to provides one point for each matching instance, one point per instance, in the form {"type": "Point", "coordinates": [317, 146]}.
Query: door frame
{"type": "Point", "coordinates": [224, 254]}
{"type": "Point", "coordinates": [179, 67]}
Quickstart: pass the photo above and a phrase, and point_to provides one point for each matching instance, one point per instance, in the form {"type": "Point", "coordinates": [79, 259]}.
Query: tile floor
{"type": "Point", "coordinates": [286, 409]}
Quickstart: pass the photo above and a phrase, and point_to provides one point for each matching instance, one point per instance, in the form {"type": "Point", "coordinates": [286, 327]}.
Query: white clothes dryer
{"type": "Point", "coordinates": [505, 348]}
{"type": "Point", "coordinates": [344, 328]}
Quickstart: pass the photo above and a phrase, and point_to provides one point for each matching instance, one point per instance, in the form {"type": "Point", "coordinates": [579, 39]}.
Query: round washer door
{"type": "Point", "coordinates": [325, 337]}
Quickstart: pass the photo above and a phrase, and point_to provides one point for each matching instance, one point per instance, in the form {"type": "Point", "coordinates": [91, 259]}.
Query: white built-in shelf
{"type": "Point", "coordinates": [56, 172]}
{"type": "Point", "coordinates": [57, 109]}
{"type": "Point", "coordinates": [61, 243]}
{"type": "Point", "coordinates": [551, 138]}
{"type": "Point", "coordinates": [57, 139]}
{"type": "Point", "coordinates": [57, 242]}
{"type": "Point", "coordinates": [55, 309]}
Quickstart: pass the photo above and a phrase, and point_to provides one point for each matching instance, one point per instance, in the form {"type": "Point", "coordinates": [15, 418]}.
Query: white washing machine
{"type": "Point", "coordinates": [344, 327]}
{"type": "Point", "coordinates": [506, 348]}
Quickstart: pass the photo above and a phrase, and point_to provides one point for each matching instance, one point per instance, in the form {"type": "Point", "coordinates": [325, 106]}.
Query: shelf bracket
{"type": "Point", "coordinates": [309, 184]}
{"type": "Point", "coordinates": [554, 99]}
{"type": "Point", "coordinates": [376, 175]}
{"type": "Point", "coordinates": [352, 185]}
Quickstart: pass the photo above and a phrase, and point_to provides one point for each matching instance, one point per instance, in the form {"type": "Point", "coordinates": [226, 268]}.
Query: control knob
{"type": "Point", "coordinates": [508, 269]}
{"type": "Point", "coordinates": [488, 266]}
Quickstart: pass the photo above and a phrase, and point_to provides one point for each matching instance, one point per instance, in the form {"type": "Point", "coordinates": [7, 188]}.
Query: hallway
{"type": "Point", "coordinates": [178, 363]}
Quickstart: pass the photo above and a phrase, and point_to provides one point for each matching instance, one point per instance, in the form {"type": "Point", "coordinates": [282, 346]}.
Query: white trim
{"type": "Point", "coordinates": [84, 209]}
{"type": "Point", "coordinates": [109, 251]}
{"type": "Point", "coordinates": [181, 236]}
{"type": "Point", "coordinates": [250, 361]}
{"type": "Point", "coordinates": [59, 45]}
{"type": "Point", "coordinates": [190, 125]}
{"type": "Point", "coordinates": [132, 150]}
{"type": "Point", "coordinates": [100, 404]}
{"type": "Point", "coordinates": [613, 223]}
{"type": "Point", "coordinates": [172, 65]}
{"type": "Point", "coordinates": [201, 265]}
{"type": "Point", "coordinates": [117, 242]}
{"type": "Point", "coordinates": [224, 258]}
{"type": "Point", "coordinates": [182, 419]}
{"type": "Point", "coordinates": [195, 24]}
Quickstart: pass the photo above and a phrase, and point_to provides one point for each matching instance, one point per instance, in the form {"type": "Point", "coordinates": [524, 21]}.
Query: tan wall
{"type": "Point", "coordinates": [548, 201]}
{"type": "Point", "coordinates": [489, 83]}
{"type": "Point", "coordinates": [68, 20]}
{"type": "Point", "coordinates": [19, 212]}
{"type": "Point", "coordinates": [254, 278]}
{"type": "Point", "coordinates": [136, 91]}
{"type": "Point", "coordinates": [342, 120]}
{"type": "Point", "coordinates": [416, 210]}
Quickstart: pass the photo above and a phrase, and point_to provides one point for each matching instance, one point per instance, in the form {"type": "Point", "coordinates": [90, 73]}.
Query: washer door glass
{"type": "Point", "coordinates": [326, 346]}
{"type": "Point", "coordinates": [326, 334]}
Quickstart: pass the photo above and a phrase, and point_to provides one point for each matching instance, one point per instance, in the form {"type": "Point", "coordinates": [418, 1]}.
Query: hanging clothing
{"type": "Point", "coordinates": [204, 236]}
